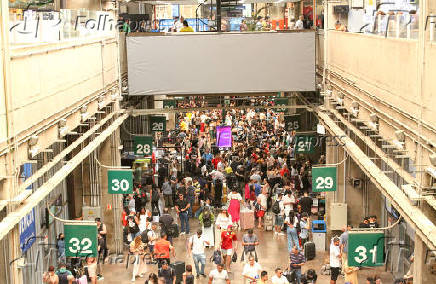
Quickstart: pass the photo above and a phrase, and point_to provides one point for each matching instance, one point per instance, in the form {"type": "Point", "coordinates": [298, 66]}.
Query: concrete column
{"type": "Point", "coordinates": [419, 261]}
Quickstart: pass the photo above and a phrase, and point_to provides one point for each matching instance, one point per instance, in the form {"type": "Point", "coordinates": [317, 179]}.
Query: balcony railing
{"type": "Point", "coordinates": [50, 27]}
{"type": "Point", "coordinates": [395, 26]}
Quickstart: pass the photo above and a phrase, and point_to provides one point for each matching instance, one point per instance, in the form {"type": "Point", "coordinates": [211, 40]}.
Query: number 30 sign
{"type": "Point", "coordinates": [323, 179]}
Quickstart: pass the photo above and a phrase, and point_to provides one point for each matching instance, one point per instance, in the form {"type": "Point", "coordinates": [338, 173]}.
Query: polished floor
{"type": "Point", "coordinates": [272, 253]}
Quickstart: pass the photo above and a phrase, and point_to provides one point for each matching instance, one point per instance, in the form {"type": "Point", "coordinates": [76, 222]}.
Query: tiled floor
{"type": "Point", "coordinates": [272, 253]}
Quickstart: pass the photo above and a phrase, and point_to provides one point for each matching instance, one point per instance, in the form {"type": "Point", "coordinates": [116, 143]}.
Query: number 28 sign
{"type": "Point", "coordinates": [80, 240]}
{"type": "Point", "coordinates": [323, 179]}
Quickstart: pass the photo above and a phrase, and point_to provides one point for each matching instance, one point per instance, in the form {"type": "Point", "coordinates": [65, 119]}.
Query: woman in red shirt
{"type": "Point", "coordinates": [227, 239]}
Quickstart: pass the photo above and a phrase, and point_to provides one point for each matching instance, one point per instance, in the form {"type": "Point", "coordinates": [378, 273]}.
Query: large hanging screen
{"type": "Point", "coordinates": [226, 63]}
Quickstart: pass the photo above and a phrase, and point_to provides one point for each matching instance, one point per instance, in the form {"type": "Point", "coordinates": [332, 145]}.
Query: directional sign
{"type": "Point", "coordinates": [169, 104]}
{"type": "Point", "coordinates": [281, 102]}
{"type": "Point", "coordinates": [143, 145]}
{"type": "Point", "coordinates": [305, 144]}
{"type": "Point", "coordinates": [365, 248]}
{"type": "Point", "coordinates": [120, 181]}
{"type": "Point", "coordinates": [80, 240]}
{"type": "Point", "coordinates": [323, 179]}
{"type": "Point", "coordinates": [292, 122]}
{"type": "Point", "coordinates": [158, 123]}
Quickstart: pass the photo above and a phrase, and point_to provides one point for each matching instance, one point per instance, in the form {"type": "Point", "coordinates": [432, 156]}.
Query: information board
{"type": "Point", "coordinates": [224, 136]}
{"type": "Point", "coordinates": [80, 240]}
{"type": "Point", "coordinates": [158, 123]}
{"type": "Point", "coordinates": [169, 104]}
{"type": "Point", "coordinates": [324, 179]}
{"type": "Point", "coordinates": [120, 181]}
{"type": "Point", "coordinates": [27, 231]}
{"type": "Point", "coordinates": [293, 122]}
{"type": "Point", "coordinates": [305, 144]}
{"type": "Point", "coordinates": [281, 102]}
{"type": "Point", "coordinates": [366, 248]}
{"type": "Point", "coordinates": [143, 145]}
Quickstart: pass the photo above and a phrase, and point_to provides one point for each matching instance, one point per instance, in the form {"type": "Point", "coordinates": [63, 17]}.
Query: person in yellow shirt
{"type": "Point", "coordinates": [263, 277]}
{"type": "Point", "coordinates": [186, 28]}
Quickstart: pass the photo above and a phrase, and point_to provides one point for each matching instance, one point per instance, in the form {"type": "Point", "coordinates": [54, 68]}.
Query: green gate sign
{"type": "Point", "coordinates": [169, 104]}
{"type": "Point", "coordinates": [365, 248]}
{"type": "Point", "coordinates": [292, 122]}
{"type": "Point", "coordinates": [143, 145]}
{"type": "Point", "coordinates": [324, 179]}
{"type": "Point", "coordinates": [120, 181]}
{"type": "Point", "coordinates": [305, 144]}
{"type": "Point", "coordinates": [158, 123]}
{"type": "Point", "coordinates": [80, 240]}
{"type": "Point", "coordinates": [281, 102]}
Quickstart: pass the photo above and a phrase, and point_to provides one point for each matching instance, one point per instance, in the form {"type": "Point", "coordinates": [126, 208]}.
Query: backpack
{"type": "Point", "coordinates": [63, 277]}
{"type": "Point", "coordinates": [155, 196]}
{"type": "Point", "coordinates": [276, 207]}
{"type": "Point", "coordinates": [207, 220]}
{"type": "Point", "coordinates": [216, 257]}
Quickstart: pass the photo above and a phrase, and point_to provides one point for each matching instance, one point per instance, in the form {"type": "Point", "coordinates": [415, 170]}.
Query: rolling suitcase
{"type": "Point", "coordinates": [268, 221]}
{"type": "Point", "coordinates": [179, 269]}
{"type": "Point", "coordinates": [309, 250]}
{"type": "Point", "coordinates": [247, 219]}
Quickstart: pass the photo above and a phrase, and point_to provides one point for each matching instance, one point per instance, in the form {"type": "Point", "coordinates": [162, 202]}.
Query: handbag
{"type": "Point", "coordinates": [234, 257]}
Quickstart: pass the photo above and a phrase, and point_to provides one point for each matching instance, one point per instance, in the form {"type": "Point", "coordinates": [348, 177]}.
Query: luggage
{"type": "Point", "coordinates": [179, 269]}
{"type": "Point", "coordinates": [309, 250]}
{"type": "Point", "coordinates": [268, 221]}
{"type": "Point", "coordinates": [247, 219]}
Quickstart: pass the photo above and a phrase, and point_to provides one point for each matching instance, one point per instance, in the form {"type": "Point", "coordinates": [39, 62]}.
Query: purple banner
{"type": "Point", "coordinates": [224, 136]}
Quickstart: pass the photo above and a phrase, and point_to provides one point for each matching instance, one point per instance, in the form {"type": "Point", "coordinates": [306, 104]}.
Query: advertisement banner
{"type": "Point", "coordinates": [27, 231]}
{"type": "Point", "coordinates": [224, 136]}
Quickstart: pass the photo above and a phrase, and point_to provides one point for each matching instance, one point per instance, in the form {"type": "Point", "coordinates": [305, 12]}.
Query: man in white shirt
{"type": "Point", "coordinates": [288, 202]}
{"type": "Point", "coordinates": [335, 260]}
{"type": "Point", "coordinates": [279, 278]}
{"type": "Point", "coordinates": [219, 275]}
{"type": "Point", "coordinates": [196, 247]}
{"type": "Point", "coordinates": [251, 270]}
{"type": "Point", "coordinates": [299, 24]}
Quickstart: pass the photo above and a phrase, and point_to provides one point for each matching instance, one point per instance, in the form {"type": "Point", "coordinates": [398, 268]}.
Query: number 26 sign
{"type": "Point", "coordinates": [323, 179]}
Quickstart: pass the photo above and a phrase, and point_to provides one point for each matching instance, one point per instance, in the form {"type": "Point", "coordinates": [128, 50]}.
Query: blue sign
{"type": "Point", "coordinates": [27, 172]}
{"type": "Point", "coordinates": [27, 231]}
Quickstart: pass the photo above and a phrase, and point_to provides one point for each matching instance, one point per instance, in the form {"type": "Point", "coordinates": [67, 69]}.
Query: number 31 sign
{"type": "Point", "coordinates": [323, 179]}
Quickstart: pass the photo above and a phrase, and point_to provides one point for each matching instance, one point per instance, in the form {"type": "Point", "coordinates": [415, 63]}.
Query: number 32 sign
{"type": "Point", "coordinates": [80, 240]}
{"type": "Point", "coordinates": [323, 179]}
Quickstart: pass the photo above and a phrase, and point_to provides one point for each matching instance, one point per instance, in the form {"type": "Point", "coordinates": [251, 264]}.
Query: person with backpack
{"type": "Point", "coordinates": [196, 245]}
{"type": "Point", "coordinates": [155, 202]}
{"type": "Point", "coordinates": [207, 219]}
{"type": "Point", "coordinates": [278, 210]}
{"type": "Point", "coordinates": [65, 276]}
{"type": "Point", "coordinates": [167, 273]}
{"type": "Point", "coordinates": [133, 226]}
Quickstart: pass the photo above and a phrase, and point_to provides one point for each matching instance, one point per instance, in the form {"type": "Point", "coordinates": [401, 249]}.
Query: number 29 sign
{"type": "Point", "coordinates": [323, 179]}
{"type": "Point", "coordinates": [80, 240]}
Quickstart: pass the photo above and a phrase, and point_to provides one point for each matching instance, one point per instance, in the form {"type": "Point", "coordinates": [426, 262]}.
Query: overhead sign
{"type": "Point", "coordinates": [305, 144]}
{"type": "Point", "coordinates": [143, 145]}
{"type": "Point", "coordinates": [224, 136]}
{"type": "Point", "coordinates": [292, 122]}
{"type": "Point", "coordinates": [120, 181]}
{"type": "Point", "coordinates": [281, 102]}
{"type": "Point", "coordinates": [80, 240]}
{"type": "Point", "coordinates": [169, 104]}
{"type": "Point", "coordinates": [365, 248]}
{"type": "Point", "coordinates": [324, 179]}
{"type": "Point", "coordinates": [158, 123]}
{"type": "Point", "coordinates": [27, 231]}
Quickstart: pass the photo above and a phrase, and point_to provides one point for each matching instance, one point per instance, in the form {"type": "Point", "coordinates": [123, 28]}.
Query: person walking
{"type": "Point", "coordinates": [305, 226]}
{"type": "Point", "coordinates": [219, 275]}
{"type": "Point", "coordinates": [207, 219]}
{"type": "Point", "coordinates": [335, 260]}
{"type": "Point", "coordinates": [251, 271]}
{"type": "Point", "coordinates": [182, 207]}
{"type": "Point", "coordinates": [291, 222]}
{"type": "Point", "coordinates": [235, 201]}
{"type": "Point", "coordinates": [167, 273]}
{"type": "Point", "coordinates": [223, 220]}
{"type": "Point", "coordinates": [278, 278]}
{"type": "Point", "coordinates": [162, 249]}
{"type": "Point", "coordinates": [65, 276]}
{"type": "Point", "coordinates": [249, 242]}
{"type": "Point", "coordinates": [166, 220]}
{"type": "Point", "coordinates": [167, 193]}
{"type": "Point", "coordinates": [278, 210]}
{"type": "Point", "coordinates": [296, 261]}
{"type": "Point", "coordinates": [137, 248]}
{"type": "Point", "coordinates": [50, 277]}
{"type": "Point", "coordinates": [263, 277]}
{"type": "Point", "coordinates": [188, 277]}
{"type": "Point", "coordinates": [227, 239]}
{"type": "Point", "coordinates": [196, 247]}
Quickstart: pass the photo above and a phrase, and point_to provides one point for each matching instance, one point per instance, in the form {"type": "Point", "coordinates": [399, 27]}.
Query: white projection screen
{"type": "Point", "coordinates": [226, 63]}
